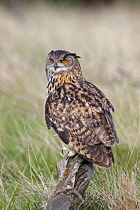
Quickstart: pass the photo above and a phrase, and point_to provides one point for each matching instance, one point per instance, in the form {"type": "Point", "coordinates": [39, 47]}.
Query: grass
{"type": "Point", "coordinates": [107, 39]}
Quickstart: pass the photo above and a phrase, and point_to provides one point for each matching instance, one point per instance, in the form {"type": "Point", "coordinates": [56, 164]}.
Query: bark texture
{"type": "Point", "coordinates": [74, 176]}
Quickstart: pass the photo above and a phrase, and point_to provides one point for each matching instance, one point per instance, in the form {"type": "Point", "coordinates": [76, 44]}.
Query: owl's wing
{"type": "Point", "coordinates": [74, 111]}
{"type": "Point", "coordinates": [105, 103]}
{"type": "Point", "coordinates": [82, 119]}
{"type": "Point", "coordinates": [105, 107]}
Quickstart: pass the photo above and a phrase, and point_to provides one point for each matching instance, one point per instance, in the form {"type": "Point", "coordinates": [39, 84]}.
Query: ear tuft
{"type": "Point", "coordinates": [51, 52]}
{"type": "Point", "coordinates": [74, 55]}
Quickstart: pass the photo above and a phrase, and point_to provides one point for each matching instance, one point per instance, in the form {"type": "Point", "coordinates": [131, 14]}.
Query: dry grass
{"type": "Point", "coordinates": [108, 40]}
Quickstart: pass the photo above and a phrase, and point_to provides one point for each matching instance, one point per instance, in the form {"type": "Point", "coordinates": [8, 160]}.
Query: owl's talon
{"type": "Point", "coordinates": [65, 149]}
{"type": "Point", "coordinates": [71, 152]}
{"type": "Point", "coordinates": [67, 157]}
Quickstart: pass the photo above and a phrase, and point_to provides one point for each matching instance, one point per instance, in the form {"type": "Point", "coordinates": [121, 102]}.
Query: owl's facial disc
{"type": "Point", "coordinates": [60, 65]}
{"type": "Point", "coordinates": [60, 61]}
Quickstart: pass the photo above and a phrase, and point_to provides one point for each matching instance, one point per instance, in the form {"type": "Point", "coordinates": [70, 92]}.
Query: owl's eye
{"type": "Point", "coordinates": [51, 61]}
{"type": "Point", "coordinates": [64, 61]}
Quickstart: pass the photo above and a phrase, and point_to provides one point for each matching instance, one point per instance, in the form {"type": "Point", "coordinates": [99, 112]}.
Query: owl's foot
{"type": "Point", "coordinates": [64, 149]}
{"type": "Point", "coordinates": [71, 152]}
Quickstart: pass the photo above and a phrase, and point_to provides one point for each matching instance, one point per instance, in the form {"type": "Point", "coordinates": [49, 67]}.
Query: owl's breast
{"type": "Point", "coordinates": [61, 104]}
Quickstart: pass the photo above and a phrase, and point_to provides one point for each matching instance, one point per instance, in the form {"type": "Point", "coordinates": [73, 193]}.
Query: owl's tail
{"type": "Point", "coordinates": [100, 155]}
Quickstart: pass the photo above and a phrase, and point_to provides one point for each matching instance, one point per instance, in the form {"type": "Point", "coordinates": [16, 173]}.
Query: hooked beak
{"type": "Point", "coordinates": [55, 66]}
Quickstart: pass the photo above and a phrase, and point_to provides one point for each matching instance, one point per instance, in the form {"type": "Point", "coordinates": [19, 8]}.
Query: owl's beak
{"type": "Point", "coordinates": [55, 66]}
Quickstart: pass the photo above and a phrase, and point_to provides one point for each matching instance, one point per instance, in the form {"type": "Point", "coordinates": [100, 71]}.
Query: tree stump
{"type": "Point", "coordinates": [74, 176]}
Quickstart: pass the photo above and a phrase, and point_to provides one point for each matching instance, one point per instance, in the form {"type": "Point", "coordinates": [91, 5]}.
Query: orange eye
{"type": "Point", "coordinates": [51, 61]}
{"type": "Point", "coordinates": [64, 61]}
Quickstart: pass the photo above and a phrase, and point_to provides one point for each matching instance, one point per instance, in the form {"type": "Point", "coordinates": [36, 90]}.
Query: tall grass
{"type": "Point", "coordinates": [108, 40]}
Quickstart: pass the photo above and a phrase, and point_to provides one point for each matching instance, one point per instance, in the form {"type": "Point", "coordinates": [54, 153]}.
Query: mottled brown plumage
{"type": "Point", "coordinates": [77, 110]}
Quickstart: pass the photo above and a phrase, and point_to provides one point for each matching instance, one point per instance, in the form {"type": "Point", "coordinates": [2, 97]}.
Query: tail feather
{"type": "Point", "coordinates": [99, 154]}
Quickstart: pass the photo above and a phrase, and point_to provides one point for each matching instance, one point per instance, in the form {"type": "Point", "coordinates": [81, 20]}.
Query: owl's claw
{"type": "Point", "coordinates": [64, 149]}
{"type": "Point", "coordinates": [71, 152]}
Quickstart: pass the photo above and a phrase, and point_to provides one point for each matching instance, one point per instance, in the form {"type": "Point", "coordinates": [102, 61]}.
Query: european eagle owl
{"type": "Point", "coordinates": [78, 111]}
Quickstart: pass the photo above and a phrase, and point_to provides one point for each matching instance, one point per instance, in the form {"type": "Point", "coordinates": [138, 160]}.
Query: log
{"type": "Point", "coordinates": [74, 175]}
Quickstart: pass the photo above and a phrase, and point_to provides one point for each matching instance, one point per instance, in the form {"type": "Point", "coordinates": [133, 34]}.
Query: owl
{"type": "Point", "coordinates": [78, 111]}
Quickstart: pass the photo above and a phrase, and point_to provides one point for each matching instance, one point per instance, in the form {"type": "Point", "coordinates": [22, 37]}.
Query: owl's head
{"type": "Point", "coordinates": [61, 61]}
